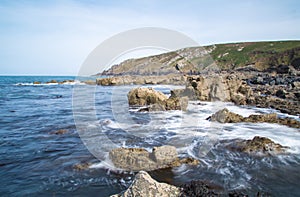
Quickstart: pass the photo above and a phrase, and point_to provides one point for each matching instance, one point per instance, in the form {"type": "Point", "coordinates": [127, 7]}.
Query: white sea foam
{"type": "Point", "coordinates": [51, 84]}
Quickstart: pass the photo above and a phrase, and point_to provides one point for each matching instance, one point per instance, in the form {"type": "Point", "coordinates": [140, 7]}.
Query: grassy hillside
{"type": "Point", "coordinates": [261, 56]}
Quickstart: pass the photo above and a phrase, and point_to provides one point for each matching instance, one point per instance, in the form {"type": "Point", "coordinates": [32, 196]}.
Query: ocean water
{"type": "Point", "coordinates": [36, 162]}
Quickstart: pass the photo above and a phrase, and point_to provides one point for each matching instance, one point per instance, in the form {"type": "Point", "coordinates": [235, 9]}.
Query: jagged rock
{"type": "Point", "coordinates": [155, 100]}
{"type": "Point", "coordinates": [225, 116]}
{"type": "Point", "coordinates": [258, 145]}
{"type": "Point", "coordinates": [145, 96]}
{"type": "Point", "coordinates": [144, 186]}
{"type": "Point", "coordinates": [136, 159]}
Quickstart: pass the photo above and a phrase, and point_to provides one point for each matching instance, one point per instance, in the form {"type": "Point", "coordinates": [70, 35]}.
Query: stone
{"type": "Point", "coordinates": [164, 154]}
{"type": "Point", "coordinates": [225, 116]}
{"type": "Point", "coordinates": [155, 100]}
{"type": "Point", "coordinates": [145, 96]}
{"type": "Point", "coordinates": [281, 94]}
{"type": "Point", "coordinates": [136, 159]}
{"type": "Point", "coordinates": [258, 145]}
{"type": "Point", "coordinates": [144, 186]}
{"type": "Point", "coordinates": [36, 82]}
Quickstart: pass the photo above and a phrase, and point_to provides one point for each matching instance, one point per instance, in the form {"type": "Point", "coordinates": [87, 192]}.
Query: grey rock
{"type": "Point", "coordinates": [144, 186]}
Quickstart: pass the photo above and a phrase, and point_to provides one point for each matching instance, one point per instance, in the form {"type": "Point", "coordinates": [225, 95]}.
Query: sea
{"type": "Point", "coordinates": [35, 160]}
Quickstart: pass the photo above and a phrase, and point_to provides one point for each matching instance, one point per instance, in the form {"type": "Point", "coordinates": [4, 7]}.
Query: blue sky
{"type": "Point", "coordinates": [54, 37]}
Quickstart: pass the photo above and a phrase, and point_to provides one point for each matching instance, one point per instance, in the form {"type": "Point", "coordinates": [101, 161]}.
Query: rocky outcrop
{"type": "Point", "coordinates": [174, 79]}
{"type": "Point", "coordinates": [144, 186]}
{"type": "Point", "coordinates": [155, 100]}
{"type": "Point", "coordinates": [225, 116]}
{"type": "Point", "coordinates": [136, 159]}
{"type": "Point", "coordinates": [214, 87]}
{"type": "Point", "coordinates": [258, 145]}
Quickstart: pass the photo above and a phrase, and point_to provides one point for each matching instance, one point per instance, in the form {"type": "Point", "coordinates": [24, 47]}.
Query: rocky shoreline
{"type": "Point", "coordinates": [280, 92]}
{"type": "Point", "coordinates": [260, 89]}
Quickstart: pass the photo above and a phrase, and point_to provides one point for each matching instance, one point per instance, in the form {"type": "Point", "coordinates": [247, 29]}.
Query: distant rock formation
{"type": "Point", "coordinates": [225, 116]}
{"type": "Point", "coordinates": [174, 79]}
{"type": "Point", "coordinates": [136, 159]}
{"type": "Point", "coordinates": [155, 100]}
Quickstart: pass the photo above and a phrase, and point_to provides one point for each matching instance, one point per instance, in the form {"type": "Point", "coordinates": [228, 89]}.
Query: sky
{"type": "Point", "coordinates": [55, 37]}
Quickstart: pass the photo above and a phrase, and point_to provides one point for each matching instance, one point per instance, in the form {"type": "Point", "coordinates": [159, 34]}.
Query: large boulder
{"type": "Point", "coordinates": [155, 100]}
{"type": "Point", "coordinates": [145, 96]}
{"type": "Point", "coordinates": [136, 159]}
{"type": "Point", "coordinates": [225, 116]}
{"type": "Point", "coordinates": [258, 145]}
{"type": "Point", "coordinates": [144, 186]}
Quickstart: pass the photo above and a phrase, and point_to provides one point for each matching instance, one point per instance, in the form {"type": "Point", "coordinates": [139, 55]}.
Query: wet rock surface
{"type": "Point", "coordinates": [258, 145]}
{"type": "Point", "coordinates": [144, 186]}
{"type": "Point", "coordinates": [225, 116]}
{"type": "Point", "coordinates": [155, 100]}
{"type": "Point", "coordinates": [136, 159]}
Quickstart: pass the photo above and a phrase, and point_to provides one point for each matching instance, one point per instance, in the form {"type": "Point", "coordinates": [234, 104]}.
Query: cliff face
{"type": "Point", "coordinates": [261, 56]}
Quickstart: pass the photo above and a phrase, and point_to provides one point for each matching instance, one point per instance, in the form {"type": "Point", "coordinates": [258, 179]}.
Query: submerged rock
{"type": "Point", "coordinates": [258, 145]}
{"type": "Point", "coordinates": [155, 100]}
{"type": "Point", "coordinates": [144, 186]}
{"type": "Point", "coordinates": [81, 166]}
{"type": "Point", "coordinates": [225, 116]}
{"type": "Point", "coordinates": [136, 159]}
{"type": "Point", "coordinates": [59, 132]}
